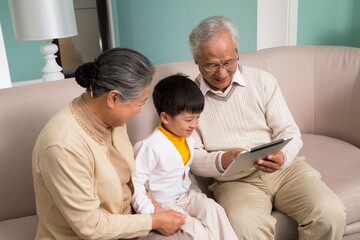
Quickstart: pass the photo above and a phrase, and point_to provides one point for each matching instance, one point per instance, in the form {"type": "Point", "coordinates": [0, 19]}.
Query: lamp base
{"type": "Point", "coordinates": [51, 71]}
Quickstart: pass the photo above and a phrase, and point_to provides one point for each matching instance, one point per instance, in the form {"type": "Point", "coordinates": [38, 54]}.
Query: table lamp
{"type": "Point", "coordinates": [44, 20]}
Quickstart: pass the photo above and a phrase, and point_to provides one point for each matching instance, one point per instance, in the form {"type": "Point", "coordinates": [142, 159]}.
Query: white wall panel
{"type": "Point", "coordinates": [5, 80]}
{"type": "Point", "coordinates": [276, 23]}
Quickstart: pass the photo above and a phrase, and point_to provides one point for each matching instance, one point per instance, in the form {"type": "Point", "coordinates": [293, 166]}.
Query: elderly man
{"type": "Point", "coordinates": [244, 107]}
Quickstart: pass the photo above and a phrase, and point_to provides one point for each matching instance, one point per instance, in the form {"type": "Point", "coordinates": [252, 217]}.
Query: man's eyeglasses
{"type": "Point", "coordinates": [227, 66]}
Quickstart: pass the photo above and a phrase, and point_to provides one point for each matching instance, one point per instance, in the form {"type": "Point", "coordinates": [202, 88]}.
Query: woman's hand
{"type": "Point", "coordinates": [167, 222]}
{"type": "Point", "coordinates": [271, 164]}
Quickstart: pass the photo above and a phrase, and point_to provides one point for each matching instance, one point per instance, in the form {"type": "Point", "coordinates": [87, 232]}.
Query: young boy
{"type": "Point", "coordinates": [163, 179]}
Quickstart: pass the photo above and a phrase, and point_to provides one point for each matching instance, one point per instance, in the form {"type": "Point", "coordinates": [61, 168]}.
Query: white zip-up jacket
{"type": "Point", "coordinates": [160, 171]}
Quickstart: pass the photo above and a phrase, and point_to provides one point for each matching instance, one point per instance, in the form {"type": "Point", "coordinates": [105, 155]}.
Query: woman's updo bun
{"type": "Point", "coordinates": [86, 75]}
{"type": "Point", "coordinates": [121, 69]}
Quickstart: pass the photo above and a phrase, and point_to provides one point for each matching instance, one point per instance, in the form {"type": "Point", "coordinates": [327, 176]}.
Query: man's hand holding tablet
{"type": "Point", "coordinates": [271, 164]}
{"type": "Point", "coordinates": [266, 157]}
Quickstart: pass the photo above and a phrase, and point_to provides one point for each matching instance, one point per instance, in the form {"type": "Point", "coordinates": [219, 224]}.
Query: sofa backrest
{"type": "Point", "coordinates": [321, 85]}
{"type": "Point", "coordinates": [24, 111]}
{"type": "Point", "coordinates": [143, 124]}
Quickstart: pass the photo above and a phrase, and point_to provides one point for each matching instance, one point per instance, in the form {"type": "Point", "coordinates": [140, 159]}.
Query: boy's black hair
{"type": "Point", "coordinates": [177, 93]}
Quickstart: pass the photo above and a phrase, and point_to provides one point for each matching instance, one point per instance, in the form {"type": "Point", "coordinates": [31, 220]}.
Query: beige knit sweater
{"type": "Point", "coordinates": [247, 116]}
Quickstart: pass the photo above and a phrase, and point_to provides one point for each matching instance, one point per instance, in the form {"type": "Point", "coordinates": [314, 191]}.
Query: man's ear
{"type": "Point", "coordinates": [196, 61]}
{"type": "Point", "coordinates": [112, 98]}
{"type": "Point", "coordinates": [164, 117]}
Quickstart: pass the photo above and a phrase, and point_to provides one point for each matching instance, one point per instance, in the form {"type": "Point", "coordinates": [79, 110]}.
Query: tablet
{"type": "Point", "coordinates": [246, 159]}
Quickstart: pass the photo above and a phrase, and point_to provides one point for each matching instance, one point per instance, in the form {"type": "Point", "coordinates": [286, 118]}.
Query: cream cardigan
{"type": "Point", "coordinates": [78, 190]}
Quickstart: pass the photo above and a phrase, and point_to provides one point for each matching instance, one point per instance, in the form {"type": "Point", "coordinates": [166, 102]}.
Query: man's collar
{"type": "Point", "coordinates": [204, 86]}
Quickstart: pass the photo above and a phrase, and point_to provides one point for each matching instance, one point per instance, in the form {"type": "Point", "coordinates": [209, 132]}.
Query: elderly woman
{"type": "Point", "coordinates": [83, 160]}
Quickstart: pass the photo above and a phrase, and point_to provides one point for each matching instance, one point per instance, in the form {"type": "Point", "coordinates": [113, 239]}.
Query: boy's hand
{"type": "Point", "coordinates": [158, 207]}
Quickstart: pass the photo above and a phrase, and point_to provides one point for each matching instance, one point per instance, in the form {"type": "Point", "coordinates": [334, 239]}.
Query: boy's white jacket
{"type": "Point", "coordinates": [160, 171]}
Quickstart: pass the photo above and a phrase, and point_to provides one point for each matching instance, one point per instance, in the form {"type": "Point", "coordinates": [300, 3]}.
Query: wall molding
{"type": "Point", "coordinates": [276, 23]}
{"type": "Point", "coordinates": [292, 21]}
{"type": "Point", "coordinates": [5, 80]}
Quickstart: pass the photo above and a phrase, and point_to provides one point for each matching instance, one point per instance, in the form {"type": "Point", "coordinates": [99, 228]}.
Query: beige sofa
{"type": "Point", "coordinates": [320, 84]}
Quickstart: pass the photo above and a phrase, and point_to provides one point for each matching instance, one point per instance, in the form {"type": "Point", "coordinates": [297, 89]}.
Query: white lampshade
{"type": "Point", "coordinates": [44, 20]}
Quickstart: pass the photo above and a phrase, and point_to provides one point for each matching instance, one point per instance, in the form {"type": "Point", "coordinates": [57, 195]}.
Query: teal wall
{"type": "Point", "coordinates": [329, 22]}
{"type": "Point", "coordinates": [24, 57]}
{"type": "Point", "coordinates": [160, 28]}
{"type": "Point", "coordinates": [356, 24]}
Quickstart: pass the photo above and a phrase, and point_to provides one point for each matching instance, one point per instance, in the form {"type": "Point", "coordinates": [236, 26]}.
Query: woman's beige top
{"type": "Point", "coordinates": [82, 178]}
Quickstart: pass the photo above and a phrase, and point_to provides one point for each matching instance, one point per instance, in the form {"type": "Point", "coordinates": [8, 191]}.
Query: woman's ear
{"type": "Point", "coordinates": [112, 98]}
{"type": "Point", "coordinates": [164, 118]}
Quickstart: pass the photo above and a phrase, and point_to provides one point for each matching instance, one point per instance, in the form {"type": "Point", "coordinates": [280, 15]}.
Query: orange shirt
{"type": "Point", "coordinates": [179, 143]}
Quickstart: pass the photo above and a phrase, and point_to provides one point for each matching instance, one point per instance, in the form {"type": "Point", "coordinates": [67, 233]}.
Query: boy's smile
{"type": "Point", "coordinates": [182, 125]}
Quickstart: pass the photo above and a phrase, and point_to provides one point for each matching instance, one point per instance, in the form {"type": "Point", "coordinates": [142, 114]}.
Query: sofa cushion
{"type": "Point", "coordinates": [19, 229]}
{"type": "Point", "coordinates": [285, 228]}
{"type": "Point", "coordinates": [25, 110]}
{"type": "Point", "coordinates": [328, 155]}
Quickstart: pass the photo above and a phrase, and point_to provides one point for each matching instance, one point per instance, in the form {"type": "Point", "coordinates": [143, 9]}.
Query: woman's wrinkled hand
{"type": "Point", "coordinates": [167, 222]}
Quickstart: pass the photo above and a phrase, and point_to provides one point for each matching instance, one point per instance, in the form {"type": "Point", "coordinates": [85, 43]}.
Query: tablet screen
{"type": "Point", "coordinates": [248, 157]}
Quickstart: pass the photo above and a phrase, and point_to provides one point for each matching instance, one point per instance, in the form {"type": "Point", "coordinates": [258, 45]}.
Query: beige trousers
{"type": "Point", "coordinates": [297, 191]}
{"type": "Point", "coordinates": [205, 219]}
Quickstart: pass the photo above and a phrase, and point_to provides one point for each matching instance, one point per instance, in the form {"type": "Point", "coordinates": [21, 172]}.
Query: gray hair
{"type": "Point", "coordinates": [208, 28]}
{"type": "Point", "coordinates": [120, 69]}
